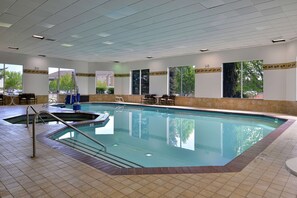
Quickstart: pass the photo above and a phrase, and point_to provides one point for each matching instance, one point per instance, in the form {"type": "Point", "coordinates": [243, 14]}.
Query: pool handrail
{"type": "Point", "coordinates": [27, 115]}
{"type": "Point", "coordinates": [65, 123]}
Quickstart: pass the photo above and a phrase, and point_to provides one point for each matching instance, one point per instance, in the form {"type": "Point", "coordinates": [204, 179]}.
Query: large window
{"type": "Point", "coordinates": [243, 79]}
{"type": "Point", "coordinates": [104, 82]}
{"type": "Point", "coordinates": [60, 81]}
{"type": "Point", "coordinates": [182, 80]}
{"type": "Point", "coordinates": [11, 78]}
{"type": "Point", "coordinates": [140, 82]}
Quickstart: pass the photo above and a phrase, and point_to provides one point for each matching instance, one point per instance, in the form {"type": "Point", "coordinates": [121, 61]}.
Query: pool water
{"type": "Point", "coordinates": [165, 137]}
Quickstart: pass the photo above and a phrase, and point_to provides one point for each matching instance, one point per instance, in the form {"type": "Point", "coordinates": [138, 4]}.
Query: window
{"type": "Point", "coordinates": [182, 80]}
{"type": "Point", "coordinates": [60, 81]}
{"type": "Point", "coordinates": [140, 81]}
{"type": "Point", "coordinates": [243, 79]}
{"type": "Point", "coordinates": [11, 78]}
{"type": "Point", "coordinates": [104, 82]}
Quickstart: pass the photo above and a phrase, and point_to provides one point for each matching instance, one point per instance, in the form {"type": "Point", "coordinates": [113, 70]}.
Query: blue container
{"type": "Point", "coordinates": [76, 107]}
{"type": "Point", "coordinates": [67, 99]}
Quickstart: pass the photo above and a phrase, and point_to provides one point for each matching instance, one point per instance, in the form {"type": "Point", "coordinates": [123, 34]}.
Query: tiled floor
{"type": "Point", "coordinates": [52, 174]}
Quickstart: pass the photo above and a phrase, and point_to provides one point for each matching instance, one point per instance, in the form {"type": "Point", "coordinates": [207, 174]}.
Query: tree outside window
{"type": "Point", "coordinates": [60, 81]}
{"type": "Point", "coordinates": [182, 80]}
{"type": "Point", "coordinates": [11, 78]}
{"type": "Point", "coordinates": [243, 79]}
{"type": "Point", "coordinates": [104, 82]}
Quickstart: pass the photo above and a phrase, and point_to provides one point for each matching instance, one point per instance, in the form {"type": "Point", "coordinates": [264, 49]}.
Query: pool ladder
{"type": "Point", "coordinates": [62, 121]}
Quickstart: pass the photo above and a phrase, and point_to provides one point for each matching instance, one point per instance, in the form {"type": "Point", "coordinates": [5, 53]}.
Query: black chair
{"type": "Point", "coordinates": [163, 99]}
{"type": "Point", "coordinates": [31, 98]}
{"type": "Point", "coordinates": [145, 99]}
{"type": "Point", "coordinates": [22, 98]}
{"type": "Point", "coordinates": [152, 99]}
{"type": "Point", "coordinates": [1, 99]}
{"type": "Point", "coordinates": [171, 100]}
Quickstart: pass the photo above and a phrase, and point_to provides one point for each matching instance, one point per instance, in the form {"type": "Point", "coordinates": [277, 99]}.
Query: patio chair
{"type": "Point", "coordinates": [31, 98]}
{"type": "Point", "coordinates": [1, 99]}
{"type": "Point", "coordinates": [163, 99]}
{"type": "Point", "coordinates": [171, 100]}
{"type": "Point", "coordinates": [22, 98]}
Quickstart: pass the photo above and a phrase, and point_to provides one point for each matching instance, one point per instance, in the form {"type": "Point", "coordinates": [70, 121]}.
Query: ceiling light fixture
{"type": "Point", "coordinates": [103, 34]}
{"type": "Point", "coordinates": [149, 57]}
{"type": "Point", "coordinates": [38, 36]}
{"type": "Point", "coordinates": [14, 48]}
{"type": "Point", "coordinates": [76, 36]}
{"type": "Point", "coordinates": [66, 45]}
{"type": "Point", "coordinates": [278, 40]}
{"type": "Point", "coordinates": [203, 50]}
{"type": "Point", "coordinates": [108, 42]}
{"type": "Point", "coordinates": [6, 25]}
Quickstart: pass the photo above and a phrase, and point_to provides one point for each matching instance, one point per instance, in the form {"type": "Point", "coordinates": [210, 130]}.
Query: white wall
{"type": "Point", "coordinates": [158, 85]}
{"type": "Point", "coordinates": [208, 85]}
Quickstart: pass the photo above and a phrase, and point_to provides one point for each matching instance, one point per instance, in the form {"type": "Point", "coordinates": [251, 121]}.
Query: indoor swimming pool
{"type": "Point", "coordinates": [141, 136]}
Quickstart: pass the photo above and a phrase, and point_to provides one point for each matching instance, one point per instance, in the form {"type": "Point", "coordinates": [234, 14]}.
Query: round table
{"type": "Point", "coordinates": [12, 97]}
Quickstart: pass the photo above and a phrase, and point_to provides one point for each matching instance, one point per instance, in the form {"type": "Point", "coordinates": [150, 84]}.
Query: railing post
{"type": "Point", "coordinates": [34, 136]}
{"type": "Point", "coordinates": [27, 116]}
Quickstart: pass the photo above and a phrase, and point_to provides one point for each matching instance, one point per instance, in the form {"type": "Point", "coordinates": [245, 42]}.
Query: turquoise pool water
{"type": "Point", "coordinates": [164, 137]}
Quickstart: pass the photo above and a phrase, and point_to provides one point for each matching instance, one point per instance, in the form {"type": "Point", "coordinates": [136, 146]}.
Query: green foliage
{"type": "Point", "coordinates": [252, 79]}
{"type": "Point", "coordinates": [182, 80]}
{"type": "Point", "coordinates": [53, 86]}
{"type": "Point", "coordinates": [100, 87]}
{"type": "Point", "coordinates": [13, 80]}
{"type": "Point", "coordinates": [252, 76]}
{"type": "Point", "coordinates": [110, 90]}
{"type": "Point", "coordinates": [66, 83]}
{"type": "Point", "coordinates": [1, 73]}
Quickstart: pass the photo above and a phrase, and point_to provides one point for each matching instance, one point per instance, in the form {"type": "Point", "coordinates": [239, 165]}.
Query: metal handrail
{"type": "Point", "coordinates": [68, 125]}
{"type": "Point", "coordinates": [27, 115]}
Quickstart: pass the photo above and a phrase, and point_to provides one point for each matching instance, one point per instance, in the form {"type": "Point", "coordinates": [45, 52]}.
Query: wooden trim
{"type": "Point", "coordinates": [121, 75]}
{"type": "Point", "coordinates": [85, 75]}
{"type": "Point", "coordinates": [279, 66]}
{"type": "Point", "coordinates": [33, 71]}
{"type": "Point", "coordinates": [208, 70]}
{"type": "Point", "coordinates": [158, 73]}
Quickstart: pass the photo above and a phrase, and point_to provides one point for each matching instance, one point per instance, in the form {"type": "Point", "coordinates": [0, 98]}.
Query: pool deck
{"type": "Point", "coordinates": [53, 174]}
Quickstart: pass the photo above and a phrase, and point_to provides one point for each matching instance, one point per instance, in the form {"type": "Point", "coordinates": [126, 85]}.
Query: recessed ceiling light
{"type": "Point", "coordinates": [278, 40]}
{"type": "Point", "coordinates": [203, 50]}
{"type": "Point", "coordinates": [66, 45]}
{"type": "Point", "coordinates": [148, 154]}
{"type": "Point", "coordinates": [76, 36]}
{"type": "Point", "coordinates": [149, 57]}
{"type": "Point", "coordinates": [108, 42]}
{"type": "Point", "coordinates": [6, 25]}
{"type": "Point", "coordinates": [38, 36]}
{"type": "Point", "coordinates": [14, 48]}
{"type": "Point", "coordinates": [46, 25]}
{"type": "Point", "coordinates": [103, 34]}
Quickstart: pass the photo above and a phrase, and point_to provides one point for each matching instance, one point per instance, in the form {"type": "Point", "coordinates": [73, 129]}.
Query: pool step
{"type": "Point", "coordinates": [100, 154]}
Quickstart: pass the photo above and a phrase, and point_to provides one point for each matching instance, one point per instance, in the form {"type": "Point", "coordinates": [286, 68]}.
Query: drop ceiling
{"type": "Point", "coordinates": [128, 30]}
